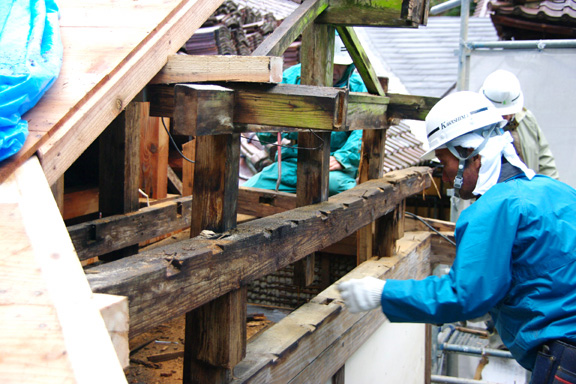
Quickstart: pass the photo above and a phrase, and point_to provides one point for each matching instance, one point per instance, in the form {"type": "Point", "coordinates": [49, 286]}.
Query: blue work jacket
{"type": "Point", "coordinates": [515, 258]}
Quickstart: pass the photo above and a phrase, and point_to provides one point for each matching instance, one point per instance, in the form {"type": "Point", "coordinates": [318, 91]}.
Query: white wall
{"type": "Point", "coordinates": [548, 81]}
{"type": "Point", "coordinates": [394, 354]}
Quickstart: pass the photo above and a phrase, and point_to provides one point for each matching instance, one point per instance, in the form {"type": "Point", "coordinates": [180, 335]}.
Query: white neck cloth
{"type": "Point", "coordinates": [494, 149]}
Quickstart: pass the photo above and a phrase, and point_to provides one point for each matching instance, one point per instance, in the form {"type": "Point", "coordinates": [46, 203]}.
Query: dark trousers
{"type": "Point", "coordinates": [555, 364]}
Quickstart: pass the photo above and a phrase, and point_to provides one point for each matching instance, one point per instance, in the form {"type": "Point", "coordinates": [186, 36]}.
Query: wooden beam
{"type": "Point", "coordinates": [119, 167]}
{"type": "Point", "coordinates": [46, 302]}
{"type": "Point", "coordinates": [188, 150]}
{"type": "Point", "coordinates": [174, 180]}
{"type": "Point", "coordinates": [312, 173]}
{"type": "Point", "coordinates": [201, 110]}
{"type": "Point", "coordinates": [261, 202]}
{"type": "Point", "coordinates": [361, 60]}
{"type": "Point", "coordinates": [311, 344]}
{"type": "Point", "coordinates": [215, 333]}
{"type": "Point", "coordinates": [89, 118]}
{"type": "Point", "coordinates": [409, 106]}
{"type": "Point", "coordinates": [291, 27]}
{"type": "Point", "coordinates": [375, 13]}
{"type": "Point", "coordinates": [154, 148]}
{"type": "Point", "coordinates": [97, 237]}
{"type": "Point", "coordinates": [206, 68]}
{"type": "Point", "coordinates": [182, 277]}
{"type": "Point", "coordinates": [366, 112]}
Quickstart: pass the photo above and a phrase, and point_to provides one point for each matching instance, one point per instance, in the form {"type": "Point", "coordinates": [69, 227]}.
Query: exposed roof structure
{"type": "Point", "coordinates": [424, 59]}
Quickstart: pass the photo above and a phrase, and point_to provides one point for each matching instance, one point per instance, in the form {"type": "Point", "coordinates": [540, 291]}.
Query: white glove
{"type": "Point", "coordinates": [362, 294]}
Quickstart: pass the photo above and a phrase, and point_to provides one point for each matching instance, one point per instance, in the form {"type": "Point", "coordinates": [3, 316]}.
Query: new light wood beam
{"type": "Point", "coordinates": [181, 275]}
{"type": "Point", "coordinates": [51, 329]}
{"type": "Point", "coordinates": [291, 27]}
{"type": "Point", "coordinates": [209, 68]}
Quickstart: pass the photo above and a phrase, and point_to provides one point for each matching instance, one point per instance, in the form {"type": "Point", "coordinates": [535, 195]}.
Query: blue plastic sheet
{"type": "Point", "coordinates": [30, 61]}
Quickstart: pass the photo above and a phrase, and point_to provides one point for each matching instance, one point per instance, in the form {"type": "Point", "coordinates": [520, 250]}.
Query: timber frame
{"type": "Point", "coordinates": [205, 277]}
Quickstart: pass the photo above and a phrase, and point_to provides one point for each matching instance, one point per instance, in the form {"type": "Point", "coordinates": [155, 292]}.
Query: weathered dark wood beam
{"type": "Point", "coordinates": [361, 60]}
{"type": "Point", "coordinates": [97, 237]}
{"type": "Point", "coordinates": [294, 106]}
{"type": "Point", "coordinates": [182, 276]}
{"type": "Point", "coordinates": [291, 27]}
{"type": "Point", "coordinates": [312, 343]}
{"type": "Point", "coordinates": [409, 106]}
{"type": "Point", "coordinates": [270, 109]}
{"type": "Point", "coordinates": [376, 13]}
{"type": "Point", "coordinates": [262, 202]}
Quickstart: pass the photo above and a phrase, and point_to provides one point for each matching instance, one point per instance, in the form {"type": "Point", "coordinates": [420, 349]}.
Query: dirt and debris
{"type": "Point", "coordinates": [157, 357]}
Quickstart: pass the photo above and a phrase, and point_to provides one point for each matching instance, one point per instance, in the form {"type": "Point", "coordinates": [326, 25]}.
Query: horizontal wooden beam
{"type": "Point", "coordinates": [311, 344]}
{"type": "Point", "coordinates": [97, 237]}
{"type": "Point", "coordinates": [263, 202]}
{"type": "Point", "coordinates": [409, 106]}
{"type": "Point", "coordinates": [375, 13]}
{"type": "Point", "coordinates": [291, 27]}
{"type": "Point", "coordinates": [294, 106]}
{"type": "Point", "coordinates": [203, 68]}
{"type": "Point", "coordinates": [181, 275]}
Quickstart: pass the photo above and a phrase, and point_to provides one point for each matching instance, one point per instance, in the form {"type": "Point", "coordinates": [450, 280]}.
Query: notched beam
{"type": "Point", "coordinates": [252, 250]}
{"type": "Point", "coordinates": [376, 13]}
{"type": "Point", "coordinates": [409, 106]}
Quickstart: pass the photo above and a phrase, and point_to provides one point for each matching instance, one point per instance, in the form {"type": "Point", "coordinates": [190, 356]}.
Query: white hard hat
{"type": "Point", "coordinates": [341, 55]}
{"type": "Point", "coordinates": [503, 89]}
{"type": "Point", "coordinates": [457, 114]}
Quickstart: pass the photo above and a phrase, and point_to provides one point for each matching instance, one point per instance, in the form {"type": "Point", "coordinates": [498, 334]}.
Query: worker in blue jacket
{"type": "Point", "coordinates": [515, 246]}
{"type": "Point", "coordinates": [344, 145]}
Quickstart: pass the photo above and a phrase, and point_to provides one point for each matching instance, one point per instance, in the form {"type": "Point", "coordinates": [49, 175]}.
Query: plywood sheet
{"type": "Point", "coordinates": [112, 48]}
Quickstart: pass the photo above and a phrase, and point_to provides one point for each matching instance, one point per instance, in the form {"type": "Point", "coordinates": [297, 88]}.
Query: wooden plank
{"type": "Point", "coordinates": [45, 316]}
{"type": "Point", "coordinates": [80, 202]}
{"type": "Point", "coordinates": [409, 106]}
{"type": "Point", "coordinates": [205, 68]}
{"type": "Point", "coordinates": [311, 344]}
{"type": "Point", "coordinates": [154, 148]}
{"type": "Point", "coordinates": [375, 13]}
{"type": "Point", "coordinates": [261, 202]}
{"type": "Point", "coordinates": [366, 112]}
{"type": "Point", "coordinates": [201, 110]}
{"type": "Point", "coordinates": [288, 105]}
{"type": "Point", "coordinates": [215, 333]}
{"type": "Point", "coordinates": [119, 167]}
{"type": "Point", "coordinates": [88, 118]}
{"type": "Point", "coordinates": [182, 277]}
{"type": "Point", "coordinates": [291, 27]}
{"type": "Point", "coordinates": [174, 179]}
{"type": "Point", "coordinates": [361, 60]}
{"type": "Point", "coordinates": [97, 237]}
{"type": "Point", "coordinates": [188, 150]}
{"type": "Point", "coordinates": [114, 312]}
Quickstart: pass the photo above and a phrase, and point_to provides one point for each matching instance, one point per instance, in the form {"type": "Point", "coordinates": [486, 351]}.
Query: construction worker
{"type": "Point", "coordinates": [344, 145]}
{"type": "Point", "coordinates": [503, 89]}
{"type": "Point", "coordinates": [515, 246]}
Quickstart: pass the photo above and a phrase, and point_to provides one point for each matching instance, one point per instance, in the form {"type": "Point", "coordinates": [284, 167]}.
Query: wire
{"type": "Point", "coordinates": [431, 227]}
{"type": "Point", "coordinates": [174, 143]}
{"type": "Point", "coordinates": [254, 138]}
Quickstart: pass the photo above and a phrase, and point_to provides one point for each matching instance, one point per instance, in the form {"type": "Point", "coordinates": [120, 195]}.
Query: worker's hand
{"type": "Point", "coordinates": [334, 164]}
{"type": "Point", "coordinates": [362, 294]}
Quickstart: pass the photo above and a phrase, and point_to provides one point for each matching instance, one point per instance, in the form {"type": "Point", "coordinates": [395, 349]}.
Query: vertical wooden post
{"type": "Point", "coordinates": [154, 158]}
{"type": "Point", "coordinates": [215, 339]}
{"type": "Point", "coordinates": [58, 192]}
{"type": "Point", "coordinates": [371, 167]}
{"type": "Point", "coordinates": [119, 167]}
{"type": "Point", "coordinates": [317, 54]}
{"type": "Point", "coordinates": [389, 228]}
{"type": "Point", "coordinates": [189, 150]}
{"type": "Point", "coordinates": [339, 376]}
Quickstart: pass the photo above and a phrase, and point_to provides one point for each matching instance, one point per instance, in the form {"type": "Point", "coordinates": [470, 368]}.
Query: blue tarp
{"type": "Point", "coordinates": [30, 61]}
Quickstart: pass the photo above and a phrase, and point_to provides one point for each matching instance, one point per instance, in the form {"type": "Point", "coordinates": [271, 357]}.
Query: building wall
{"type": "Point", "coordinates": [394, 354]}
